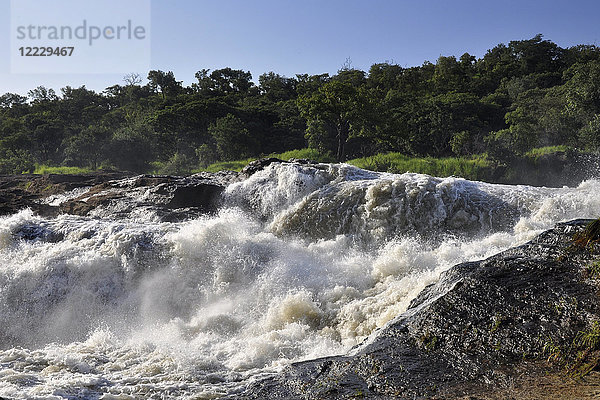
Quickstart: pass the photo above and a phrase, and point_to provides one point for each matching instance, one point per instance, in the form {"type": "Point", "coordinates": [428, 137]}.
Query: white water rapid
{"type": "Point", "coordinates": [300, 262]}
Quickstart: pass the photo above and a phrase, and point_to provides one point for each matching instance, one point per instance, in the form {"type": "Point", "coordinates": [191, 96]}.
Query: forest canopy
{"type": "Point", "coordinates": [519, 96]}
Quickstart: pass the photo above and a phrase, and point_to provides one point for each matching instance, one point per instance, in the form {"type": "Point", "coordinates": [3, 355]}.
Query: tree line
{"type": "Point", "coordinates": [518, 96]}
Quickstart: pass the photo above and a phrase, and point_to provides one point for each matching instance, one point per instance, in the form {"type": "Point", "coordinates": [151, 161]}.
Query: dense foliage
{"type": "Point", "coordinates": [527, 94]}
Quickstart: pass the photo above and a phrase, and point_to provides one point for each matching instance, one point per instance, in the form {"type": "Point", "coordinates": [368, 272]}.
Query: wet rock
{"type": "Point", "coordinates": [33, 233]}
{"type": "Point", "coordinates": [168, 198]}
{"type": "Point", "coordinates": [18, 192]}
{"type": "Point", "coordinates": [481, 327]}
{"type": "Point", "coordinates": [259, 165]}
{"type": "Point", "coordinates": [114, 195]}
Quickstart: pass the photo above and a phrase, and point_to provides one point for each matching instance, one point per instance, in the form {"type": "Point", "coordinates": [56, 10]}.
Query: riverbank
{"type": "Point", "coordinates": [548, 166]}
{"type": "Point", "coordinates": [555, 166]}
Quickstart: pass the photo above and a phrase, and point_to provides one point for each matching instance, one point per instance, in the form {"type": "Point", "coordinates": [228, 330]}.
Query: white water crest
{"type": "Point", "coordinates": [301, 262]}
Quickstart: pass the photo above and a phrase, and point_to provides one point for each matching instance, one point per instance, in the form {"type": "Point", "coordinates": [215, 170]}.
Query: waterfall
{"type": "Point", "coordinates": [299, 262]}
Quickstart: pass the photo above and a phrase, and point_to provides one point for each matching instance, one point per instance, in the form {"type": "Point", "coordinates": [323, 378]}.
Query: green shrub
{"type": "Point", "coordinates": [178, 164]}
{"type": "Point", "coordinates": [16, 162]}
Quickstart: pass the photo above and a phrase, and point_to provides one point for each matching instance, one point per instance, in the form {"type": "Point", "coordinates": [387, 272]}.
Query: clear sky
{"type": "Point", "coordinates": [317, 36]}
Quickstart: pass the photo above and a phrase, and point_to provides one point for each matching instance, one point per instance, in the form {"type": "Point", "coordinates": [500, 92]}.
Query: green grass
{"type": "Point", "coordinates": [309, 154]}
{"type": "Point", "coordinates": [236, 165]}
{"type": "Point", "coordinates": [581, 356]}
{"type": "Point", "coordinates": [589, 339]}
{"type": "Point", "coordinates": [45, 169]}
{"type": "Point", "coordinates": [542, 151]}
{"type": "Point", "coordinates": [476, 167]}
{"type": "Point", "coordinates": [593, 270]}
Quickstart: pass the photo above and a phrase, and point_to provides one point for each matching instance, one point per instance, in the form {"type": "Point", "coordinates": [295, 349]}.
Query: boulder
{"type": "Point", "coordinates": [258, 165]}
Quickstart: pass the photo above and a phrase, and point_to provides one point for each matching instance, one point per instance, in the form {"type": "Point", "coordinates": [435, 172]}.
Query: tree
{"type": "Point", "coordinates": [308, 84]}
{"type": "Point", "coordinates": [132, 79]}
{"type": "Point", "coordinates": [229, 80]}
{"type": "Point", "coordinates": [164, 82]}
{"type": "Point", "coordinates": [81, 107]}
{"type": "Point", "coordinates": [223, 81]}
{"type": "Point", "coordinates": [42, 95]}
{"type": "Point", "coordinates": [232, 138]}
{"type": "Point", "coordinates": [206, 154]}
{"type": "Point", "coordinates": [15, 161]}
{"type": "Point", "coordinates": [583, 87]}
{"type": "Point", "coordinates": [276, 87]}
{"type": "Point", "coordinates": [10, 100]}
{"type": "Point", "coordinates": [537, 119]}
{"type": "Point", "coordinates": [384, 77]}
{"type": "Point", "coordinates": [582, 98]}
{"type": "Point", "coordinates": [589, 134]}
{"type": "Point", "coordinates": [88, 148]}
{"type": "Point", "coordinates": [341, 104]}
{"type": "Point", "coordinates": [133, 146]}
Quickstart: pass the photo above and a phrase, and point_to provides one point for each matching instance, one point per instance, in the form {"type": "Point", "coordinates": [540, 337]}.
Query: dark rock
{"type": "Point", "coordinates": [18, 192]}
{"type": "Point", "coordinates": [302, 161]}
{"type": "Point", "coordinates": [262, 163]}
{"type": "Point", "coordinates": [195, 195]}
{"type": "Point", "coordinates": [259, 165]}
{"type": "Point", "coordinates": [475, 328]}
{"type": "Point", "coordinates": [169, 198]}
{"type": "Point", "coordinates": [114, 195]}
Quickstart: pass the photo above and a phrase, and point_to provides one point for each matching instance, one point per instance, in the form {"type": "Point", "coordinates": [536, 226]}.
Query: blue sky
{"type": "Point", "coordinates": [291, 37]}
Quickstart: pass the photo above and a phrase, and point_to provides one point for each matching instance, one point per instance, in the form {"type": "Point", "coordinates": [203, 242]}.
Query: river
{"type": "Point", "coordinates": [299, 262]}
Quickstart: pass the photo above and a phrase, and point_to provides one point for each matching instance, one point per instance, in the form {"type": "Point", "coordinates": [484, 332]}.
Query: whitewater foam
{"type": "Point", "coordinates": [299, 265]}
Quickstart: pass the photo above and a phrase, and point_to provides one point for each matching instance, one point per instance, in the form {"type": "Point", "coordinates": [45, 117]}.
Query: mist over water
{"type": "Point", "coordinates": [300, 262]}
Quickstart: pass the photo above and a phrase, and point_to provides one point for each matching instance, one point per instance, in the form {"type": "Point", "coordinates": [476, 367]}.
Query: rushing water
{"type": "Point", "coordinates": [299, 263]}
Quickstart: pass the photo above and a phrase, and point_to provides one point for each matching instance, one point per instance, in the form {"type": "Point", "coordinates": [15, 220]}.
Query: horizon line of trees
{"type": "Point", "coordinates": [518, 96]}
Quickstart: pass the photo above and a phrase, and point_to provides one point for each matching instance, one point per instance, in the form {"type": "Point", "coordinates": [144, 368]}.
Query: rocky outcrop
{"type": "Point", "coordinates": [27, 191]}
{"type": "Point", "coordinates": [121, 195]}
{"type": "Point", "coordinates": [168, 198]}
{"type": "Point", "coordinates": [258, 165]}
{"type": "Point", "coordinates": [483, 326]}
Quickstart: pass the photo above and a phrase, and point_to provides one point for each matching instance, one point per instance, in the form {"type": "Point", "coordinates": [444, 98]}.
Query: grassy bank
{"type": "Point", "coordinates": [545, 166]}
{"type": "Point", "coordinates": [475, 167]}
